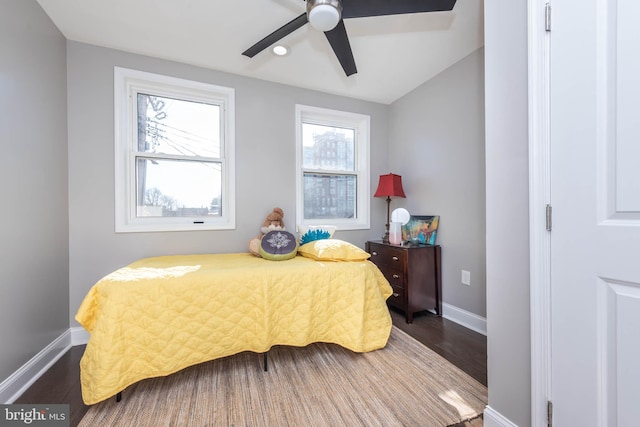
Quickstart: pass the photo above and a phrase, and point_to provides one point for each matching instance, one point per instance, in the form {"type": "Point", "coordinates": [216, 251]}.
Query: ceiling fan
{"type": "Point", "coordinates": [328, 15]}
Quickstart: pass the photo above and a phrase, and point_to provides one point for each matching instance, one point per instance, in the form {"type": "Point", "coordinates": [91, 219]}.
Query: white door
{"type": "Point", "coordinates": [595, 193]}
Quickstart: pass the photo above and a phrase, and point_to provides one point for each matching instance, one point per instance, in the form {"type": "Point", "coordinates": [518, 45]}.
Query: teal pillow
{"type": "Point", "coordinates": [278, 245]}
{"type": "Point", "coordinates": [310, 233]}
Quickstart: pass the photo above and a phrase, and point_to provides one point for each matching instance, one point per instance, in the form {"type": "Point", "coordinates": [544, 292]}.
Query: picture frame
{"type": "Point", "coordinates": [421, 229]}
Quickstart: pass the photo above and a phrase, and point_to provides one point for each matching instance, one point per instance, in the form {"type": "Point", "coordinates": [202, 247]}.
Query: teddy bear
{"type": "Point", "coordinates": [272, 222]}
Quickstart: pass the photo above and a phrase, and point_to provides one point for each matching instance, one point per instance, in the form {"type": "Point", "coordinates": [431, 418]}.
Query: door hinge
{"type": "Point", "coordinates": [548, 217]}
{"type": "Point", "coordinates": [547, 17]}
{"type": "Point", "coordinates": [549, 414]}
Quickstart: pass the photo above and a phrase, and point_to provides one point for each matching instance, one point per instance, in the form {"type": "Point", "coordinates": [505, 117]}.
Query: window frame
{"type": "Point", "coordinates": [360, 123]}
{"type": "Point", "coordinates": [127, 84]}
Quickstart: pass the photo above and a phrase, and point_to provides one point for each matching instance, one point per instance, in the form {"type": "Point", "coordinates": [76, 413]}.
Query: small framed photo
{"type": "Point", "coordinates": [421, 229]}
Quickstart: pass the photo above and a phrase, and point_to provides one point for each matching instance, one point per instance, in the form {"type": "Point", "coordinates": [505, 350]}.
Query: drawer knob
{"type": "Point", "coordinates": [395, 276]}
{"type": "Point", "coordinates": [395, 258]}
{"type": "Point", "coordinates": [374, 253]}
{"type": "Point", "coordinates": [395, 295]}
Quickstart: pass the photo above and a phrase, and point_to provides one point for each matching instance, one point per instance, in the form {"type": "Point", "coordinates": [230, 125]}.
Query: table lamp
{"type": "Point", "coordinates": [390, 185]}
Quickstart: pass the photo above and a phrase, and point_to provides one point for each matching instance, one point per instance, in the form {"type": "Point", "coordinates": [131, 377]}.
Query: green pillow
{"type": "Point", "coordinates": [278, 245]}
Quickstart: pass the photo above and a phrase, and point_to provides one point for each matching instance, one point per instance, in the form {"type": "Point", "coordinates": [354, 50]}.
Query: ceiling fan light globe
{"type": "Point", "coordinates": [324, 15]}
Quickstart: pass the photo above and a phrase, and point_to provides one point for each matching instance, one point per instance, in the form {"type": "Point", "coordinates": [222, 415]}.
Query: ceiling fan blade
{"type": "Point", "coordinates": [278, 34]}
{"type": "Point", "coordinates": [363, 8]}
{"type": "Point", "coordinates": [339, 41]}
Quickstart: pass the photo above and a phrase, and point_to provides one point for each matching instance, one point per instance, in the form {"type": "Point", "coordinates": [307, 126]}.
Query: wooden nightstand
{"type": "Point", "coordinates": [414, 274]}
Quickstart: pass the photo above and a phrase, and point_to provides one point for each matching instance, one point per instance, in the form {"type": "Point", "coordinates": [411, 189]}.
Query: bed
{"type": "Point", "coordinates": [160, 315]}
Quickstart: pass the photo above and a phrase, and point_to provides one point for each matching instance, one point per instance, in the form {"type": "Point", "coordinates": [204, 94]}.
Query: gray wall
{"type": "Point", "coordinates": [265, 136]}
{"type": "Point", "coordinates": [437, 144]}
{"type": "Point", "coordinates": [34, 272]}
{"type": "Point", "coordinates": [509, 367]}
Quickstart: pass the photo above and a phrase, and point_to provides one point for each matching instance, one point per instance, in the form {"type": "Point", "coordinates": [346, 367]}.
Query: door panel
{"type": "Point", "coordinates": [619, 312]}
{"type": "Point", "coordinates": [624, 68]}
{"type": "Point", "coordinates": [595, 193]}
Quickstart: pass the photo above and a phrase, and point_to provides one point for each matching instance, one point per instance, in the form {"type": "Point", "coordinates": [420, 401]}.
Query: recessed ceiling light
{"type": "Point", "coordinates": [280, 50]}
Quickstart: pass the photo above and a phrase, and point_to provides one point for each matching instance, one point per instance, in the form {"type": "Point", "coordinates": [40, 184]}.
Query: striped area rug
{"type": "Point", "coordinates": [403, 384]}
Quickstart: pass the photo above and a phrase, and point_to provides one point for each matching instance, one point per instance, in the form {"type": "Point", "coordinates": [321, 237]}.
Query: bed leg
{"type": "Point", "coordinates": [119, 396]}
{"type": "Point", "coordinates": [266, 365]}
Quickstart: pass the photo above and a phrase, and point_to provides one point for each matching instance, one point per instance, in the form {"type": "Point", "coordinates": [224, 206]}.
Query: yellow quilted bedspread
{"type": "Point", "coordinates": [160, 315]}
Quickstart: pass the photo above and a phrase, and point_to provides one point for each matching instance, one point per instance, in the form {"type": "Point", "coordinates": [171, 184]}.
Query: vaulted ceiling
{"type": "Point", "coordinates": [394, 54]}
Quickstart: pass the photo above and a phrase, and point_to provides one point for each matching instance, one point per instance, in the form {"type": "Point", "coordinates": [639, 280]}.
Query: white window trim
{"type": "Point", "coordinates": [361, 124]}
{"type": "Point", "coordinates": [128, 82]}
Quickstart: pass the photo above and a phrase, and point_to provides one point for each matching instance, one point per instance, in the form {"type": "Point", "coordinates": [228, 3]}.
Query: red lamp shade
{"type": "Point", "coordinates": [390, 185]}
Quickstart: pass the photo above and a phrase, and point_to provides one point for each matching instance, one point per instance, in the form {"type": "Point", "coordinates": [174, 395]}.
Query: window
{"type": "Point", "coordinates": [174, 147]}
{"type": "Point", "coordinates": [332, 155]}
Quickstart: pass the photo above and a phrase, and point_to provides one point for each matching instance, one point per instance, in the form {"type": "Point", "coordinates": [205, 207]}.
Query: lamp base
{"type": "Point", "coordinates": [385, 238]}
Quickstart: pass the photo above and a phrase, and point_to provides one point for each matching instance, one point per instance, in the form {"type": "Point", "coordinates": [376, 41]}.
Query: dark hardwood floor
{"type": "Point", "coordinates": [461, 346]}
{"type": "Point", "coordinates": [60, 384]}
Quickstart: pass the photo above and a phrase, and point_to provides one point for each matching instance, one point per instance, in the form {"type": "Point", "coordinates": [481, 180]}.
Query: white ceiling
{"type": "Point", "coordinates": [393, 54]}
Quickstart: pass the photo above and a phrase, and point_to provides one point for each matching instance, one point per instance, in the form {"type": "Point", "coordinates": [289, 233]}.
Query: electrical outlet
{"type": "Point", "coordinates": [466, 278]}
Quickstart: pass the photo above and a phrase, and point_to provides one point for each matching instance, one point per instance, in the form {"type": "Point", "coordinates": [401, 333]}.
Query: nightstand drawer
{"type": "Point", "coordinates": [397, 298]}
{"type": "Point", "coordinates": [386, 256]}
{"type": "Point", "coordinates": [394, 276]}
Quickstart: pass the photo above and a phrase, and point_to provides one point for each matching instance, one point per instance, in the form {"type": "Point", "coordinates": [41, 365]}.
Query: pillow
{"type": "Point", "coordinates": [332, 250]}
{"type": "Point", "coordinates": [278, 245]}
{"type": "Point", "coordinates": [309, 233]}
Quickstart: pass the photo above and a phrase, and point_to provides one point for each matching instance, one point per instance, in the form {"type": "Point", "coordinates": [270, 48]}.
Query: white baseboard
{"type": "Point", "coordinates": [465, 318]}
{"type": "Point", "coordinates": [492, 418]}
{"type": "Point", "coordinates": [18, 382]}
{"type": "Point", "coordinates": [79, 336]}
